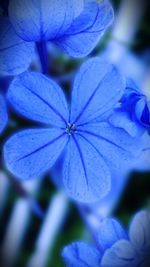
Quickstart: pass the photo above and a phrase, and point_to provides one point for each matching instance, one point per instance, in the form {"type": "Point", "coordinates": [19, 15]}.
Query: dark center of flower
{"type": "Point", "coordinates": [71, 128]}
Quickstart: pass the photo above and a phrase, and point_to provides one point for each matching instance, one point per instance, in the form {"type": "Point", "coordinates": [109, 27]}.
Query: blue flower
{"type": "Point", "coordinates": [80, 254]}
{"type": "Point", "coordinates": [71, 26]}
{"type": "Point", "coordinates": [134, 251]}
{"type": "Point", "coordinates": [133, 113]}
{"type": "Point", "coordinates": [3, 114]}
{"type": "Point", "coordinates": [91, 148]}
{"type": "Point", "coordinates": [116, 247]}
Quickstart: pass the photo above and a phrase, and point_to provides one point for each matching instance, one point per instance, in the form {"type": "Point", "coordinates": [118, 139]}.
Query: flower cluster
{"type": "Point", "coordinates": [97, 136]}
{"type": "Point", "coordinates": [116, 246]}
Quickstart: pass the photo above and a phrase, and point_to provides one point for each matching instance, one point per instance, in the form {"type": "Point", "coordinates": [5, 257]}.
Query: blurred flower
{"type": "Point", "coordinates": [71, 26]}
{"type": "Point", "coordinates": [133, 113]}
{"type": "Point", "coordinates": [92, 148]}
{"type": "Point", "coordinates": [131, 65]}
{"type": "Point", "coordinates": [80, 254]}
{"type": "Point", "coordinates": [3, 114]}
{"type": "Point", "coordinates": [140, 110]}
{"type": "Point", "coordinates": [116, 246]}
{"type": "Point", "coordinates": [133, 251]}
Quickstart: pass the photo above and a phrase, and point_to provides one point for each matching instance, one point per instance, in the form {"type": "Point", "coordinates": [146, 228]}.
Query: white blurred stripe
{"type": "Point", "coordinates": [50, 229]}
{"type": "Point", "coordinates": [17, 225]}
{"type": "Point", "coordinates": [128, 19]}
{"type": "Point", "coordinates": [4, 189]}
{"type": "Point", "coordinates": [126, 25]}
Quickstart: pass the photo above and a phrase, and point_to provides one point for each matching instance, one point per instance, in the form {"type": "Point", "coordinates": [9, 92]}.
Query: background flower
{"type": "Point", "coordinates": [133, 113]}
{"type": "Point", "coordinates": [116, 247]}
{"type": "Point", "coordinates": [135, 250]}
{"type": "Point", "coordinates": [71, 26]}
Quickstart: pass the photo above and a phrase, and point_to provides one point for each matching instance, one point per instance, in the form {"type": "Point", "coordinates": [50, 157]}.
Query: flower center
{"type": "Point", "coordinates": [71, 128]}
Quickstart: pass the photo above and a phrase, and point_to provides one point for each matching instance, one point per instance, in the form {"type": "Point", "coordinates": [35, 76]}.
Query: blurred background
{"type": "Point", "coordinates": [36, 219]}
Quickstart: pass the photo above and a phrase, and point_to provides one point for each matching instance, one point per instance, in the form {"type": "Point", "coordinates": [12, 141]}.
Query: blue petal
{"type": "Point", "coordinates": [121, 254]}
{"type": "Point", "coordinates": [85, 174]}
{"type": "Point", "coordinates": [15, 54]}
{"type": "Point", "coordinates": [110, 232]}
{"type": "Point", "coordinates": [43, 19]}
{"type": "Point", "coordinates": [3, 114]}
{"type": "Point", "coordinates": [87, 29]}
{"type": "Point", "coordinates": [30, 153]}
{"type": "Point", "coordinates": [80, 254]}
{"type": "Point", "coordinates": [142, 112]}
{"type": "Point", "coordinates": [122, 120]}
{"type": "Point", "coordinates": [39, 98]}
{"type": "Point", "coordinates": [131, 87]}
{"type": "Point", "coordinates": [97, 88]}
{"type": "Point", "coordinates": [130, 97]}
{"type": "Point", "coordinates": [140, 231]}
{"type": "Point", "coordinates": [117, 147]}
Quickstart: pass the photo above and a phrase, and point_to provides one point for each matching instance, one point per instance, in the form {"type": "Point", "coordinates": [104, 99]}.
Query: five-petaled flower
{"type": "Point", "coordinates": [92, 147]}
{"type": "Point", "coordinates": [70, 25]}
{"type": "Point", "coordinates": [116, 247]}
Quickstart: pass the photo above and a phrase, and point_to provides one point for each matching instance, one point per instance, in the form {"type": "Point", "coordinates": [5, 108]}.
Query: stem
{"type": "Point", "coordinates": [43, 55]}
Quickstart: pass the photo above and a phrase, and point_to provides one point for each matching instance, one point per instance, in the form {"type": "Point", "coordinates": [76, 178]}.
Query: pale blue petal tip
{"type": "Point", "coordinates": [15, 54]}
